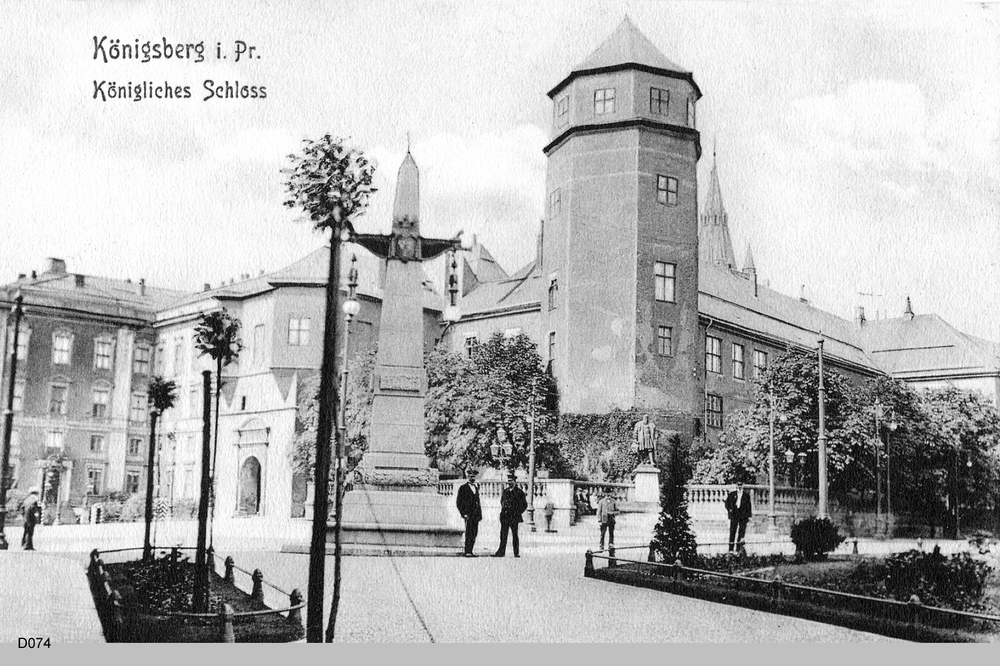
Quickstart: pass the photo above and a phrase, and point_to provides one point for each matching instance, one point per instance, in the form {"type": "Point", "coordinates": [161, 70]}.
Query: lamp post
{"type": "Point", "coordinates": [531, 457]}
{"type": "Point", "coordinates": [502, 451]}
{"type": "Point", "coordinates": [796, 464]}
{"type": "Point", "coordinates": [451, 312]}
{"type": "Point", "coordinates": [821, 441]}
{"type": "Point", "coordinates": [892, 425]}
{"type": "Point", "coordinates": [8, 417]}
{"type": "Point", "coordinates": [879, 413]}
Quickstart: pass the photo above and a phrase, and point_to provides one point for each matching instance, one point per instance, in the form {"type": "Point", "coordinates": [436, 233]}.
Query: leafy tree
{"type": "Point", "coordinates": [161, 395]}
{"type": "Point", "coordinates": [599, 446]}
{"type": "Point", "coordinates": [672, 536]}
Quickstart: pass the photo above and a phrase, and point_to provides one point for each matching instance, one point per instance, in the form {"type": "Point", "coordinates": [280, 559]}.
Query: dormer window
{"type": "Point", "coordinates": [659, 101]}
{"type": "Point", "coordinates": [604, 101]}
{"type": "Point", "coordinates": [690, 117]}
{"type": "Point", "coordinates": [562, 111]}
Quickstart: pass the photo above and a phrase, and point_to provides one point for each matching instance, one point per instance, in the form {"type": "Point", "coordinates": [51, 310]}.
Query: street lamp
{"type": "Point", "coordinates": [796, 463]}
{"type": "Point", "coordinates": [451, 312]}
{"type": "Point", "coordinates": [502, 451]}
{"type": "Point", "coordinates": [531, 457]}
{"type": "Point", "coordinates": [8, 416]}
{"type": "Point", "coordinates": [772, 526]}
{"type": "Point", "coordinates": [892, 425]}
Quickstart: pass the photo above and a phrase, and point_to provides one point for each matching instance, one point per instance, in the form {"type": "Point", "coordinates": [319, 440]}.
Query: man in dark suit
{"type": "Point", "coordinates": [512, 506]}
{"type": "Point", "coordinates": [739, 510]}
{"type": "Point", "coordinates": [32, 513]}
{"type": "Point", "coordinates": [471, 510]}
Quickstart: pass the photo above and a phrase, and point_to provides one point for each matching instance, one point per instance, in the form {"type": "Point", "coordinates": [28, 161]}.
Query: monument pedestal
{"type": "Point", "coordinates": [647, 483]}
{"type": "Point", "coordinates": [412, 517]}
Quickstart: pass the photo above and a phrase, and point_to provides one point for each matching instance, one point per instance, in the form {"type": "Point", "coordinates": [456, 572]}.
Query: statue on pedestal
{"type": "Point", "coordinates": [644, 442]}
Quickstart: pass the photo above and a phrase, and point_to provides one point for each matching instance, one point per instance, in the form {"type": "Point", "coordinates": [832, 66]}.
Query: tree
{"type": "Point", "coordinates": [161, 395]}
{"type": "Point", "coordinates": [672, 537]}
{"type": "Point", "coordinates": [489, 399]}
{"type": "Point", "coordinates": [218, 336]}
{"type": "Point", "coordinates": [600, 446]}
{"type": "Point", "coordinates": [331, 184]}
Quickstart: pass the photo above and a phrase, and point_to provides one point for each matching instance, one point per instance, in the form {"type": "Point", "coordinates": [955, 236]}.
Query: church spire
{"type": "Point", "coordinates": [748, 265]}
{"type": "Point", "coordinates": [714, 243]}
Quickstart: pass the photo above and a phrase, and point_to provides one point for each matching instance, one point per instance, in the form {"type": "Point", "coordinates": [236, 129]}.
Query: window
{"type": "Point", "coordinates": [23, 335]}
{"type": "Point", "coordinates": [604, 101]}
{"type": "Point", "coordinates": [99, 398]}
{"type": "Point", "coordinates": [95, 480]}
{"type": "Point", "coordinates": [97, 443]}
{"type": "Point", "coordinates": [664, 277]}
{"type": "Point", "coordinates": [659, 99]}
{"type": "Point", "coordinates": [140, 364]}
{"type": "Point", "coordinates": [132, 481]}
{"type": "Point", "coordinates": [713, 354]}
{"type": "Point", "coordinates": [243, 403]}
{"type": "Point", "coordinates": [562, 111]}
{"type": "Point", "coordinates": [258, 345]}
{"type": "Point", "coordinates": [759, 363]}
{"type": "Point", "coordinates": [18, 395]}
{"type": "Point", "coordinates": [664, 340]}
{"type": "Point", "coordinates": [690, 112]}
{"type": "Point", "coordinates": [56, 439]}
{"type": "Point", "coordinates": [102, 353]}
{"type": "Point", "coordinates": [57, 399]}
{"type": "Point", "coordinates": [62, 344]}
{"type": "Point", "coordinates": [158, 361]}
{"type": "Point", "coordinates": [471, 344]}
{"type": "Point", "coordinates": [552, 346]}
{"type": "Point", "coordinates": [666, 190]}
{"type": "Point", "coordinates": [178, 355]}
{"type": "Point", "coordinates": [553, 291]}
{"type": "Point", "coordinates": [555, 203]}
{"type": "Point", "coordinates": [194, 401]}
{"type": "Point", "coordinates": [137, 408]}
{"type": "Point", "coordinates": [134, 447]}
{"type": "Point", "coordinates": [713, 410]}
{"type": "Point", "coordinates": [298, 332]}
{"type": "Point", "coordinates": [738, 351]}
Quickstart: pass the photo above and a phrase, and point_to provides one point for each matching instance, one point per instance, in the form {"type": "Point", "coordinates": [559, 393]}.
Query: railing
{"type": "Point", "coordinates": [493, 487]}
{"type": "Point", "coordinates": [912, 611]}
{"type": "Point", "coordinates": [109, 600]}
{"type": "Point", "coordinates": [621, 492]}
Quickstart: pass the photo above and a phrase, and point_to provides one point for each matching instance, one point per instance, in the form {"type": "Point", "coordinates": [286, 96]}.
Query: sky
{"type": "Point", "coordinates": [858, 144]}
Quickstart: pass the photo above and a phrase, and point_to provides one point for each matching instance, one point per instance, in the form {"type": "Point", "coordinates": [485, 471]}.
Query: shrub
{"type": "Point", "coordinates": [815, 537]}
{"type": "Point", "coordinates": [953, 582]}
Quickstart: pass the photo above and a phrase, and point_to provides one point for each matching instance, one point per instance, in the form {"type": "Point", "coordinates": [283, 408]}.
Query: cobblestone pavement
{"type": "Point", "coordinates": [533, 598]}
{"type": "Point", "coordinates": [43, 595]}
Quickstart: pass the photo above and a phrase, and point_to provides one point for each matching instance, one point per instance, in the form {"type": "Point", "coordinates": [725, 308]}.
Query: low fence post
{"type": "Point", "coordinates": [855, 552]}
{"type": "Point", "coordinates": [776, 588]}
{"type": "Point", "coordinates": [916, 608]}
{"type": "Point", "coordinates": [230, 564]}
{"type": "Point", "coordinates": [117, 620]}
{"type": "Point", "coordinates": [295, 614]}
{"type": "Point", "coordinates": [588, 564]}
{"type": "Point", "coordinates": [678, 570]}
{"type": "Point", "coordinates": [652, 553]}
{"type": "Point", "coordinates": [258, 586]}
{"type": "Point", "coordinates": [228, 635]}
{"type": "Point", "coordinates": [94, 556]}
{"type": "Point", "coordinates": [612, 562]}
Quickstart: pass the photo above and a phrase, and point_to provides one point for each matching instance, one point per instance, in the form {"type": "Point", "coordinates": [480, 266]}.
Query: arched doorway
{"type": "Point", "coordinates": [250, 487]}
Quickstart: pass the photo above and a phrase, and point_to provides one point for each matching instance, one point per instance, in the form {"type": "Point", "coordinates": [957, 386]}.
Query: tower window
{"type": "Point", "coordinates": [659, 100]}
{"type": "Point", "coordinates": [690, 117]}
{"type": "Point", "coordinates": [738, 363]}
{"type": "Point", "coordinates": [713, 354]}
{"type": "Point", "coordinates": [664, 281]}
{"type": "Point", "coordinates": [713, 410]}
{"type": "Point", "coordinates": [604, 101]}
{"type": "Point", "coordinates": [664, 340]}
{"type": "Point", "coordinates": [298, 331]}
{"type": "Point", "coordinates": [562, 111]}
{"type": "Point", "coordinates": [553, 291]}
{"type": "Point", "coordinates": [666, 190]}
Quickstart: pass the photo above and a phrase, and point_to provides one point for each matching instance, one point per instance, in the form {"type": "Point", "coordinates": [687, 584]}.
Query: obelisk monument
{"type": "Point", "coordinates": [395, 501]}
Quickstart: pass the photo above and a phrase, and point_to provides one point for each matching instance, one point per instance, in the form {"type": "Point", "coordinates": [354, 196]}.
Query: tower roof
{"type": "Point", "coordinates": [748, 264]}
{"type": "Point", "coordinates": [407, 201]}
{"type": "Point", "coordinates": [715, 245]}
{"type": "Point", "coordinates": [627, 48]}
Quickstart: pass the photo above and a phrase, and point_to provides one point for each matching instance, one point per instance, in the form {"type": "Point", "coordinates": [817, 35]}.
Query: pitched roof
{"type": "Point", "coordinates": [523, 289]}
{"type": "Point", "coordinates": [627, 45]}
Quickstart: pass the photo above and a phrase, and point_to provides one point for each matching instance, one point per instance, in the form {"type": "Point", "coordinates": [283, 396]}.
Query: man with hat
{"type": "Point", "coordinates": [472, 511]}
{"type": "Point", "coordinates": [739, 508]}
{"type": "Point", "coordinates": [31, 511]}
{"type": "Point", "coordinates": [512, 506]}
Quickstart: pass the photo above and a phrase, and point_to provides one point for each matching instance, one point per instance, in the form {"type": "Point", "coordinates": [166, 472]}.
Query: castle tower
{"type": "Point", "coordinates": [621, 233]}
{"type": "Point", "coordinates": [714, 243]}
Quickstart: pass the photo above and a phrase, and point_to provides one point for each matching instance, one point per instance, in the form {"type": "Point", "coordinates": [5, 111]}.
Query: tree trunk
{"type": "Point", "coordinates": [201, 570]}
{"type": "Point", "coordinates": [215, 446]}
{"type": "Point", "coordinates": [147, 546]}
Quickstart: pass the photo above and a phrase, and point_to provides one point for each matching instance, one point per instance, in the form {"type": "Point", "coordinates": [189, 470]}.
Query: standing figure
{"type": "Point", "coordinates": [550, 510]}
{"type": "Point", "coordinates": [607, 509]}
{"type": "Point", "coordinates": [739, 510]}
{"type": "Point", "coordinates": [471, 510]}
{"type": "Point", "coordinates": [644, 443]}
{"type": "Point", "coordinates": [31, 511]}
{"type": "Point", "coordinates": [512, 506]}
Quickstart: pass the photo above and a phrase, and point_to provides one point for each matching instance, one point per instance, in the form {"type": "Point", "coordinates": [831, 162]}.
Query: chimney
{"type": "Point", "coordinates": [80, 280]}
{"type": "Point", "coordinates": [206, 287]}
{"type": "Point", "coordinates": [34, 274]}
{"type": "Point", "coordinates": [802, 295]}
{"type": "Point", "coordinates": [20, 276]}
{"type": "Point", "coordinates": [908, 312]}
{"type": "Point", "coordinates": [142, 286]}
{"type": "Point", "coordinates": [859, 316]}
{"type": "Point", "coordinates": [57, 266]}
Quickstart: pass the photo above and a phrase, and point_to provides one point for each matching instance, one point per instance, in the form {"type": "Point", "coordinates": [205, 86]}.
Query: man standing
{"type": "Point", "coordinates": [471, 510]}
{"type": "Point", "coordinates": [739, 510]}
{"type": "Point", "coordinates": [32, 514]}
{"type": "Point", "coordinates": [512, 506]}
{"type": "Point", "coordinates": [607, 509]}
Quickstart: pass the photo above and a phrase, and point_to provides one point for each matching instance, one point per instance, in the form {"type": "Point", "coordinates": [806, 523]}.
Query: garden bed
{"type": "Point", "coordinates": [153, 593]}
